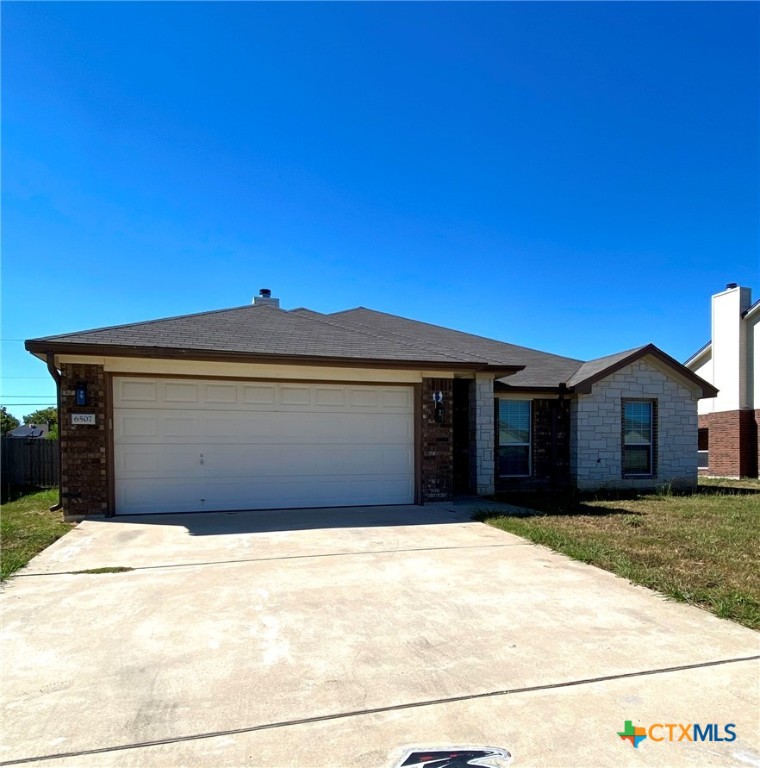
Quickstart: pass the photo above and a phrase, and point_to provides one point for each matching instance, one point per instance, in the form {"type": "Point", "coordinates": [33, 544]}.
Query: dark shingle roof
{"type": "Point", "coordinates": [361, 335]}
{"type": "Point", "coordinates": [541, 369]}
{"type": "Point", "coordinates": [257, 330]}
{"type": "Point", "coordinates": [593, 368]}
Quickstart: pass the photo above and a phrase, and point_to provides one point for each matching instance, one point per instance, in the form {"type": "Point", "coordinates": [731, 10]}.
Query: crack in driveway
{"type": "Point", "coordinates": [268, 559]}
{"type": "Point", "coordinates": [375, 710]}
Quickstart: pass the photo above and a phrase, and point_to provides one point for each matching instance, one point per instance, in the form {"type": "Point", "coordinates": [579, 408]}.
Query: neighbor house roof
{"type": "Point", "coordinates": [28, 431]}
{"type": "Point", "coordinates": [701, 352]}
{"type": "Point", "coordinates": [360, 335]}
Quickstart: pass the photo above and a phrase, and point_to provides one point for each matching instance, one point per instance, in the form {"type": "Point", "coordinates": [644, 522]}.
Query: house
{"type": "Point", "coordinates": [728, 423]}
{"type": "Point", "coordinates": [29, 431]}
{"type": "Point", "coordinates": [257, 407]}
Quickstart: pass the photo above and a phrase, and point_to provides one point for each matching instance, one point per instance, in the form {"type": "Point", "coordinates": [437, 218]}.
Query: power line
{"type": "Point", "coordinates": [40, 404]}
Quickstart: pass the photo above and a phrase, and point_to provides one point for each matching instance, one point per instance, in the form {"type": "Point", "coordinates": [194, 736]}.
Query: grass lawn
{"type": "Point", "coordinates": [700, 548]}
{"type": "Point", "coordinates": [26, 528]}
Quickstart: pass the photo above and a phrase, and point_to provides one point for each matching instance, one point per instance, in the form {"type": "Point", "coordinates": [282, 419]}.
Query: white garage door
{"type": "Point", "coordinates": [182, 445]}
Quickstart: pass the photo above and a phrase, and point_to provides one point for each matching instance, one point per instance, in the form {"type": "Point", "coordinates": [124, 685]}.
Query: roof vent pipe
{"type": "Point", "coordinates": [265, 297]}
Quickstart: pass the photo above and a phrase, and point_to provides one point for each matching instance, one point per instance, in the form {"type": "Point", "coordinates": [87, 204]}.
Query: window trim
{"type": "Point", "coordinates": [529, 444]}
{"type": "Point", "coordinates": [651, 444]}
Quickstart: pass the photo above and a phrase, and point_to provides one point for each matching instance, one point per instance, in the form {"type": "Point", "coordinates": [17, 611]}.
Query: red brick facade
{"type": "Point", "coordinates": [437, 441]}
{"type": "Point", "coordinates": [84, 475]}
{"type": "Point", "coordinates": [734, 443]}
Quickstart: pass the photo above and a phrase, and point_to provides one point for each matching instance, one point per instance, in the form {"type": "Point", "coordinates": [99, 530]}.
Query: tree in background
{"type": "Point", "coordinates": [47, 416]}
{"type": "Point", "coordinates": [7, 421]}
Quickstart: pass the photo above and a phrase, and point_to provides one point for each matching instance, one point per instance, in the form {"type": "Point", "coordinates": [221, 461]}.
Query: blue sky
{"type": "Point", "coordinates": [577, 177]}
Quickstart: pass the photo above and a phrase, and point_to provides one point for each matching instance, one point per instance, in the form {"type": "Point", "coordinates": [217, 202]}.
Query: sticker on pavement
{"type": "Point", "coordinates": [454, 757]}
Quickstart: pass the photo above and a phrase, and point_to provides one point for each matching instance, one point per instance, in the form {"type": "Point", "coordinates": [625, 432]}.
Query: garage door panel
{"type": "Point", "coordinates": [394, 428]}
{"type": "Point", "coordinates": [135, 426]}
{"type": "Point", "coordinates": [398, 397]}
{"type": "Point", "coordinates": [258, 394]}
{"type": "Point", "coordinates": [195, 445]}
{"type": "Point", "coordinates": [181, 393]}
{"type": "Point", "coordinates": [145, 496]}
{"type": "Point", "coordinates": [221, 394]}
{"type": "Point", "coordinates": [181, 425]}
{"type": "Point", "coordinates": [330, 398]}
{"type": "Point", "coordinates": [140, 391]}
{"type": "Point", "coordinates": [285, 461]}
{"type": "Point", "coordinates": [268, 493]}
{"type": "Point", "coordinates": [152, 461]}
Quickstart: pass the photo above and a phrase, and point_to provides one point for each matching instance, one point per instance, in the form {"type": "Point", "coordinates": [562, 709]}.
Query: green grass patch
{"type": "Point", "coordinates": [27, 527]}
{"type": "Point", "coordinates": [106, 569]}
{"type": "Point", "coordinates": [699, 548]}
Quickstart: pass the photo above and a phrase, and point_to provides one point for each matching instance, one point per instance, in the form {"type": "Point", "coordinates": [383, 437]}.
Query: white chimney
{"type": "Point", "coordinates": [729, 346]}
{"type": "Point", "coordinates": [265, 297]}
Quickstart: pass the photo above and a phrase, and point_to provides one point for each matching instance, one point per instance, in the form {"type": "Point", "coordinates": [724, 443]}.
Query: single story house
{"type": "Point", "coordinates": [729, 423]}
{"type": "Point", "coordinates": [258, 407]}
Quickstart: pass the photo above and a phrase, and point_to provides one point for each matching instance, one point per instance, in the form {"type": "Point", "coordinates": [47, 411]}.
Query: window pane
{"type": "Point", "coordinates": [514, 460]}
{"type": "Point", "coordinates": [636, 460]}
{"type": "Point", "coordinates": [514, 421]}
{"type": "Point", "coordinates": [637, 423]}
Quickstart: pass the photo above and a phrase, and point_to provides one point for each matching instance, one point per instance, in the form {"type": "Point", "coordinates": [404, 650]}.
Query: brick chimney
{"type": "Point", "coordinates": [265, 297]}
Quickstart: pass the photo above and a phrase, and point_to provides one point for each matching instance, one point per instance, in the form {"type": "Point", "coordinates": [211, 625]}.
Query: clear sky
{"type": "Point", "coordinates": [579, 178]}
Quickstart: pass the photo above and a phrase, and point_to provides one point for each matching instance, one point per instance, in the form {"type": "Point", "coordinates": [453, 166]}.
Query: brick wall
{"type": "Point", "coordinates": [437, 441]}
{"type": "Point", "coordinates": [551, 439]}
{"type": "Point", "coordinates": [84, 482]}
{"type": "Point", "coordinates": [734, 443]}
{"type": "Point", "coordinates": [596, 442]}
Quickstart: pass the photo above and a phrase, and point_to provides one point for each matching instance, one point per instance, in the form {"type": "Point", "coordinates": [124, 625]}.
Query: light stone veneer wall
{"type": "Point", "coordinates": [484, 429]}
{"type": "Point", "coordinates": [596, 432]}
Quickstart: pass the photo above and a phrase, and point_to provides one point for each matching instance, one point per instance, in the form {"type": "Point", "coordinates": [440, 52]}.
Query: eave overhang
{"type": "Point", "coordinates": [42, 348]}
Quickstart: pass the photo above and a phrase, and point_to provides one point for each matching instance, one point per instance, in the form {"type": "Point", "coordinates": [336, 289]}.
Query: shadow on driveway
{"type": "Point", "coordinates": [271, 521]}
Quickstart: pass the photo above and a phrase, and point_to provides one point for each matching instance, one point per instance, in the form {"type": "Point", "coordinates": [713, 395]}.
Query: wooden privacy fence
{"type": "Point", "coordinates": [29, 462]}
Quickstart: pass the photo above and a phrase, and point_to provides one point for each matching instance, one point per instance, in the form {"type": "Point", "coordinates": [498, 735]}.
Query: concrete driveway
{"type": "Point", "coordinates": [338, 637]}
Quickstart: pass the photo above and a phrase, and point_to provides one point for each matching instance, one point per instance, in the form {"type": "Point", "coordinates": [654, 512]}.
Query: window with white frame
{"type": "Point", "coordinates": [514, 438]}
{"type": "Point", "coordinates": [639, 428]}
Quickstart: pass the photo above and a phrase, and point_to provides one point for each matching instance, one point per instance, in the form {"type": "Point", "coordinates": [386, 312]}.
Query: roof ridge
{"type": "Point", "coordinates": [151, 322]}
{"type": "Point", "coordinates": [367, 331]}
{"type": "Point", "coordinates": [461, 333]}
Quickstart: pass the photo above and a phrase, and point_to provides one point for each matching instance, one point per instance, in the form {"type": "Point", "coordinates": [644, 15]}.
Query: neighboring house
{"type": "Point", "coordinates": [728, 423]}
{"type": "Point", "coordinates": [29, 431]}
{"type": "Point", "coordinates": [257, 407]}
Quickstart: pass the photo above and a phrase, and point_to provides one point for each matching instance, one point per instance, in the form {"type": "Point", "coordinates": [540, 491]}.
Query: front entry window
{"type": "Point", "coordinates": [514, 438]}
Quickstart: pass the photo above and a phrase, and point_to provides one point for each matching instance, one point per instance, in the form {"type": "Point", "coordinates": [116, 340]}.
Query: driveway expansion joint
{"type": "Point", "coordinates": [122, 569]}
{"type": "Point", "coordinates": [375, 711]}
